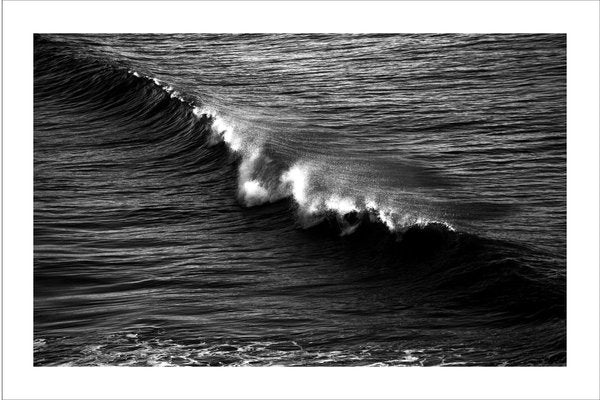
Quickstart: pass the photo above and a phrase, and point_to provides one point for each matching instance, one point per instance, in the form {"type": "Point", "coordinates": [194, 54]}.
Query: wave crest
{"type": "Point", "coordinates": [261, 180]}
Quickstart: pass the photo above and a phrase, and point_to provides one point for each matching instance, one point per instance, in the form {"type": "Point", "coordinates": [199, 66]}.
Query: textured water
{"type": "Point", "coordinates": [299, 199]}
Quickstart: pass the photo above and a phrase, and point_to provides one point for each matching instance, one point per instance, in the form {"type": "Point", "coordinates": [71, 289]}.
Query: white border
{"type": "Point", "coordinates": [578, 380]}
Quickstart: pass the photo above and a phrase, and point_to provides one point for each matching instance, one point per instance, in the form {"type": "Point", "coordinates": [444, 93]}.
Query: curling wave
{"type": "Point", "coordinates": [262, 180]}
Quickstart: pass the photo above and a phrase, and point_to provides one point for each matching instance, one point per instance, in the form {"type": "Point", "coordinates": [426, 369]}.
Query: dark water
{"type": "Point", "coordinates": [300, 199]}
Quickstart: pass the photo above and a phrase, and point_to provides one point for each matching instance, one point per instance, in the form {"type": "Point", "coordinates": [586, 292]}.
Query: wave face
{"type": "Point", "coordinates": [300, 199]}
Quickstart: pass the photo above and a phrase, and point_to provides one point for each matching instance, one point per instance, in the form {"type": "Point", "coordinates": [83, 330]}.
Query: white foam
{"type": "Point", "coordinates": [370, 204]}
{"type": "Point", "coordinates": [340, 204]}
{"type": "Point", "coordinates": [198, 111]}
{"type": "Point", "coordinates": [221, 129]}
{"type": "Point", "coordinates": [297, 178]}
{"type": "Point", "coordinates": [314, 206]}
{"type": "Point", "coordinates": [295, 182]}
{"type": "Point", "coordinates": [253, 193]}
{"type": "Point", "coordinates": [247, 164]}
{"type": "Point", "coordinates": [234, 142]}
{"type": "Point", "coordinates": [422, 222]}
{"type": "Point", "coordinates": [386, 216]}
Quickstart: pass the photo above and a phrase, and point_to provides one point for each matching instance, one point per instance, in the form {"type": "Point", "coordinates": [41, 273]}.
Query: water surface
{"type": "Point", "coordinates": [300, 199]}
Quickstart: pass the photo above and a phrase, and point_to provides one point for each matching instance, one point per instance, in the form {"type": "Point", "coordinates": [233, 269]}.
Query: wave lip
{"type": "Point", "coordinates": [257, 186]}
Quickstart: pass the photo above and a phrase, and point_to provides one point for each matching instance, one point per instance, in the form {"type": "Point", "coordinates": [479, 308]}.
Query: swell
{"type": "Point", "coordinates": [464, 269]}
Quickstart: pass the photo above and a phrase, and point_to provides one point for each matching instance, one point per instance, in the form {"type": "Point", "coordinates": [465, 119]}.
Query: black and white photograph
{"type": "Point", "coordinates": [203, 204]}
{"type": "Point", "coordinates": [300, 199]}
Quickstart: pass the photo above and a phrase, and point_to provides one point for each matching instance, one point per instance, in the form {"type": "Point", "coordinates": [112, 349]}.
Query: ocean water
{"type": "Point", "coordinates": [300, 200]}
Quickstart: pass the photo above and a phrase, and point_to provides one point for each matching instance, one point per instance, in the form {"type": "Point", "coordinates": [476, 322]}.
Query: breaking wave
{"type": "Point", "coordinates": [262, 180]}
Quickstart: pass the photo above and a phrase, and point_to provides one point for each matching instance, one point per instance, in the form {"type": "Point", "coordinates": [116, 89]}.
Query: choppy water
{"type": "Point", "coordinates": [300, 199]}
